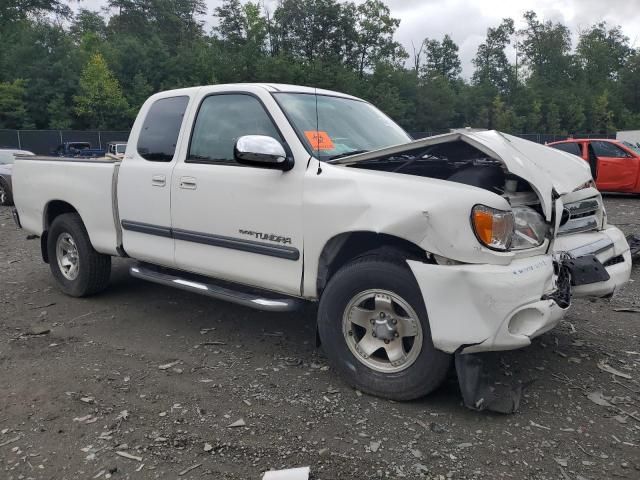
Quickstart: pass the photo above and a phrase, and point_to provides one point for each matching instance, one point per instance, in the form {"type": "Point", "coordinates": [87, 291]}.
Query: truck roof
{"type": "Point", "coordinates": [271, 87]}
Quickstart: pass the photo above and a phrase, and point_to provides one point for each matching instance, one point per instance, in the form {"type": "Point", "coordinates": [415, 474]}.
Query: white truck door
{"type": "Point", "coordinates": [144, 181]}
{"type": "Point", "coordinates": [234, 222]}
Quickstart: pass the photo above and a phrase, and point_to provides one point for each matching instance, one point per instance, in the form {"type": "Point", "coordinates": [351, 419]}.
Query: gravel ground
{"type": "Point", "coordinates": [144, 381]}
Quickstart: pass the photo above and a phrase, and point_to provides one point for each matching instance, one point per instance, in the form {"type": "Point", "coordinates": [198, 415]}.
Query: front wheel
{"type": "Point", "coordinates": [78, 268]}
{"type": "Point", "coordinates": [374, 328]}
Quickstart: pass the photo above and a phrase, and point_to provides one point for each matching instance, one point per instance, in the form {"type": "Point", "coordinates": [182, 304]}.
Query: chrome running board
{"type": "Point", "coordinates": [234, 293]}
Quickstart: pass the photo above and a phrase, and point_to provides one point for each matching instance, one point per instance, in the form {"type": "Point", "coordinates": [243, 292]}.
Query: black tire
{"type": "Point", "coordinates": [94, 268]}
{"type": "Point", "coordinates": [385, 273]}
{"type": "Point", "coordinates": [6, 199]}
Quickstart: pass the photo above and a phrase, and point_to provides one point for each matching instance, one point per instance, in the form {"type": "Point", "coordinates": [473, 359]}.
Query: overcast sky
{"type": "Point", "coordinates": [466, 21]}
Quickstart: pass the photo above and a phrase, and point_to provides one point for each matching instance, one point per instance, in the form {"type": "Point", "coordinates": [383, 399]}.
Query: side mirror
{"type": "Point", "coordinates": [262, 151]}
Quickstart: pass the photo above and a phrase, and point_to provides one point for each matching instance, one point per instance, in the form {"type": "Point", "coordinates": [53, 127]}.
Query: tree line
{"type": "Point", "coordinates": [93, 70]}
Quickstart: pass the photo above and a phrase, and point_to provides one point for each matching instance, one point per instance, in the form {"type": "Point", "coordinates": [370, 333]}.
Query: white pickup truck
{"type": "Point", "coordinates": [269, 195]}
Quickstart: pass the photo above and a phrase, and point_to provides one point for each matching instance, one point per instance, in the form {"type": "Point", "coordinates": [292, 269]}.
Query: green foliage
{"type": "Point", "coordinates": [59, 114]}
{"type": "Point", "coordinates": [533, 120]}
{"type": "Point", "coordinates": [603, 53]}
{"type": "Point", "coordinates": [12, 107]}
{"type": "Point", "coordinates": [100, 101]}
{"type": "Point", "coordinates": [545, 50]}
{"type": "Point", "coordinates": [94, 70]}
{"type": "Point", "coordinates": [574, 119]}
{"type": "Point", "coordinates": [629, 87]}
{"type": "Point", "coordinates": [602, 115]}
{"type": "Point", "coordinates": [553, 118]}
{"type": "Point", "coordinates": [492, 66]}
{"type": "Point", "coordinates": [442, 59]}
{"type": "Point", "coordinates": [12, 10]}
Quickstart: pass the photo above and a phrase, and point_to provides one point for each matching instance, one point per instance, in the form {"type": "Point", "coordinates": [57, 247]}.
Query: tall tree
{"type": "Point", "coordinates": [100, 101]}
{"type": "Point", "coordinates": [491, 64]}
{"type": "Point", "coordinates": [375, 41]}
{"type": "Point", "coordinates": [241, 38]}
{"type": "Point", "coordinates": [603, 53]}
{"type": "Point", "coordinates": [442, 59]}
{"type": "Point", "coordinates": [231, 22]}
{"type": "Point", "coordinates": [545, 48]}
{"type": "Point", "coordinates": [308, 29]}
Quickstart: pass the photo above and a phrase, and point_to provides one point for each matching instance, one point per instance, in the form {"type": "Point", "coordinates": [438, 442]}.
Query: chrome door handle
{"type": "Point", "coordinates": [158, 180]}
{"type": "Point", "coordinates": [188, 183]}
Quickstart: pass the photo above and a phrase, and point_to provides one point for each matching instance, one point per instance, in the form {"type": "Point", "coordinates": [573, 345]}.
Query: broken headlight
{"type": "Point", "coordinates": [493, 227]}
{"type": "Point", "coordinates": [589, 184]}
{"type": "Point", "coordinates": [530, 229]}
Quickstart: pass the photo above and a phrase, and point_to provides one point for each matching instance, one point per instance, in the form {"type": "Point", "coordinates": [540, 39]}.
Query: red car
{"type": "Point", "coordinates": [615, 164]}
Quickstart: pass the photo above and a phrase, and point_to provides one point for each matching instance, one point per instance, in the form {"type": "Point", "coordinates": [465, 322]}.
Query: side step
{"type": "Point", "coordinates": [231, 292]}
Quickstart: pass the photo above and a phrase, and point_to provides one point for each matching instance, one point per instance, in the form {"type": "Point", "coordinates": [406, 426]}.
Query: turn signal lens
{"type": "Point", "coordinates": [493, 228]}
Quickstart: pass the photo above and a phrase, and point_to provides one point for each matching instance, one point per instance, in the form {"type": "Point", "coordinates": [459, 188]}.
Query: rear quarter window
{"type": "Point", "coordinates": [161, 127]}
{"type": "Point", "coordinates": [569, 147]}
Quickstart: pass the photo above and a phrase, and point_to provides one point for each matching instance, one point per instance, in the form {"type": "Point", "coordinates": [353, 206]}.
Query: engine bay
{"type": "Point", "coordinates": [458, 162]}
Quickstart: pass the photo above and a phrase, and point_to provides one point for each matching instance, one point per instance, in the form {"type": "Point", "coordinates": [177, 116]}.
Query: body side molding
{"type": "Point", "coordinates": [251, 246]}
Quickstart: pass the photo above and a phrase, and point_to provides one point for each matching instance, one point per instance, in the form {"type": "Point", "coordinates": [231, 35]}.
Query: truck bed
{"type": "Point", "coordinates": [87, 184]}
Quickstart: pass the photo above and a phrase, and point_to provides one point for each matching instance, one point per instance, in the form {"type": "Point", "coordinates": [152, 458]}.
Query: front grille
{"type": "Point", "coordinates": [581, 216]}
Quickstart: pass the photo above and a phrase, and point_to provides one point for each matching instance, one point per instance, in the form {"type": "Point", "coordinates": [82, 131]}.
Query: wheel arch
{"type": "Point", "coordinates": [346, 247]}
{"type": "Point", "coordinates": [52, 210]}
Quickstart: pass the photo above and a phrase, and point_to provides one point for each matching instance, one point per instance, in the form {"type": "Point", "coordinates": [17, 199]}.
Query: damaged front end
{"type": "Point", "coordinates": [556, 209]}
{"type": "Point", "coordinates": [464, 159]}
{"type": "Point", "coordinates": [501, 299]}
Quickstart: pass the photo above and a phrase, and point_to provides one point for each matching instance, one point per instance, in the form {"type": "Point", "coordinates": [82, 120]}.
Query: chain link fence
{"type": "Point", "coordinates": [42, 142]}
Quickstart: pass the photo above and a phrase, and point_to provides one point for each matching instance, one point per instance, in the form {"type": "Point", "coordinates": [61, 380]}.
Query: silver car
{"type": "Point", "coordinates": [7, 157]}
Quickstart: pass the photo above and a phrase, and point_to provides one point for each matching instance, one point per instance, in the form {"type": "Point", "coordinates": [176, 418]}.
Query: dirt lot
{"type": "Point", "coordinates": [161, 375]}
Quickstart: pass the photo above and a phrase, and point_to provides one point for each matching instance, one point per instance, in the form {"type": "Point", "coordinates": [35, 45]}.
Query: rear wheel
{"type": "Point", "coordinates": [6, 199]}
{"type": "Point", "coordinates": [74, 263]}
{"type": "Point", "coordinates": [373, 325]}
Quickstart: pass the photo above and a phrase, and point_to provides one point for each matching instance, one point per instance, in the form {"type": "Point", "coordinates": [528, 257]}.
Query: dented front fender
{"type": "Point", "coordinates": [430, 213]}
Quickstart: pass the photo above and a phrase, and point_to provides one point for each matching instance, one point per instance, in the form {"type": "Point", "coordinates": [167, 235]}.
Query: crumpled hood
{"type": "Point", "coordinates": [545, 168]}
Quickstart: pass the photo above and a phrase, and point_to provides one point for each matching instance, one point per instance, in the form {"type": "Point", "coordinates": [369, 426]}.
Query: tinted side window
{"type": "Point", "coordinates": [608, 149]}
{"type": "Point", "coordinates": [161, 127]}
{"type": "Point", "coordinates": [222, 119]}
{"type": "Point", "coordinates": [569, 148]}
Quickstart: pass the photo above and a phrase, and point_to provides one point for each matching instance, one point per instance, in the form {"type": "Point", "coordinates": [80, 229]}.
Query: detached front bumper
{"type": "Point", "coordinates": [489, 307]}
{"type": "Point", "coordinates": [610, 247]}
{"type": "Point", "coordinates": [502, 307]}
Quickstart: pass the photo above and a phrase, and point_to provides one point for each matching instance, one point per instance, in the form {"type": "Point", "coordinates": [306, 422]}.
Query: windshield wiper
{"type": "Point", "coordinates": [347, 154]}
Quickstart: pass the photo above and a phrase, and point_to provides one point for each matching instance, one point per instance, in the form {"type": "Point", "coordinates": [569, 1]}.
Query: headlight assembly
{"type": "Point", "coordinates": [493, 227]}
{"type": "Point", "coordinates": [530, 228]}
{"type": "Point", "coordinates": [589, 184]}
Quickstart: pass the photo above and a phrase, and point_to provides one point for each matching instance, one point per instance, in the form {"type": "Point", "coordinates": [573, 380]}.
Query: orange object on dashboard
{"type": "Point", "coordinates": [319, 140]}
